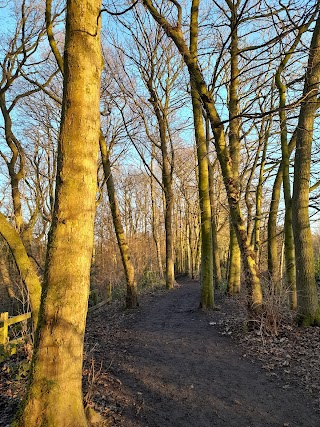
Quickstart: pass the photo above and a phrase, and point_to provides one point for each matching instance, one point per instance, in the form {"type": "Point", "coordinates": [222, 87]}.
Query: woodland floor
{"type": "Point", "coordinates": [169, 364]}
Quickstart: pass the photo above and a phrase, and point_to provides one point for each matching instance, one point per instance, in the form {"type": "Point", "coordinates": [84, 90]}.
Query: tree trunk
{"type": "Point", "coordinates": [273, 258]}
{"type": "Point", "coordinates": [308, 304]}
{"type": "Point", "coordinates": [17, 161]}
{"type": "Point", "coordinates": [217, 276]}
{"type": "Point", "coordinates": [54, 395]}
{"type": "Point", "coordinates": [155, 233]}
{"type": "Point", "coordinates": [206, 275]}
{"type": "Point", "coordinates": [25, 266]}
{"type": "Point", "coordinates": [264, 134]}
{"type": "Point", "coordinates": [132, 295]}
{"type": "Point", "coordinates": [285, 162]}
{"type": "Point", "coordinates": [170, 280]}
{"type": "Point", "coordinates": [233, 286]}
{"type": "Point", "coordinates": [7, 293]}
{"type": "Point", "coordinates": [167, 170]}
{"type": "Point", "coordinates": [231, 183]}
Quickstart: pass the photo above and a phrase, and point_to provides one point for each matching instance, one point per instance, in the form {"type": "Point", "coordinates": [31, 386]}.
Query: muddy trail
{"type": "Point", "coordinates": [166, 364]}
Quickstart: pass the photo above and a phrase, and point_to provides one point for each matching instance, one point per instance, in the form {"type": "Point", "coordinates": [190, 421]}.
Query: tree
{"type": "Point", "coordinates": [217, 275]}
{"type": "Point", "coordinates": [156, 62]}
{"type": "Point", "coordinates": [131, 296]}
{"type": "Point", "coordinates": [54, 396]}
{"type": "Point", "coordinates": [231, 185]}
{"type": "Point", "coordinates": [308, 304]}
{"type": "Point", "coordinates": [154, 218]}
{"type": "Point", "coordinates": [206, 274]}
{"type": "Point", "coordinates": [22, 49]}
{"type": "Point", "coordinates": [273, 269]}
{"type": "Point", "coordinates": [187, 211]}
{"type": "Point", "coordinates": [234, 139]}
{"type": "Point", "coordinates": [25, 266]}
{"type": "Point", "coordinates": [18, 57]}
{"type": "Point", "coordinates": [285, 160]}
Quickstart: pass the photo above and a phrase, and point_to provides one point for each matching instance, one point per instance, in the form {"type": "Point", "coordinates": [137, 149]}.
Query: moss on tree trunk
{"type": "Point", "coordinates": [132, 294]}
{"type": "Point", "coordinates": [25, 266]}
{"type": "Point", "coordinates": [308, 304]}
{"type": "Point", "coordinates": [54, 395]}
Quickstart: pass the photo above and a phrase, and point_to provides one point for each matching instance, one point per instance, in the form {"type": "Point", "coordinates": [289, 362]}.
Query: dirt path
{"type": "Point", "coordinates": [164, 365]}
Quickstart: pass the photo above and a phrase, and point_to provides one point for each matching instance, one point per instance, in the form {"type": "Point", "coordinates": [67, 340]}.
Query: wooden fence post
{"type": "Point", "coordinates": [4, 329]}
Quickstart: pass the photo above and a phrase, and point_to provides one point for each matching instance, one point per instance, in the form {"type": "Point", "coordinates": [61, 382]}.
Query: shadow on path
{"type": "Point", "coordinates": [174, 369]}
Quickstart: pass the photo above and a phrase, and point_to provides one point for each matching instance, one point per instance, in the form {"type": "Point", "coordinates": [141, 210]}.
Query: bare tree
{"type": "Point", "coordinates": [308, 304]}
{"type": "Point", "coordinates": [54, 394]}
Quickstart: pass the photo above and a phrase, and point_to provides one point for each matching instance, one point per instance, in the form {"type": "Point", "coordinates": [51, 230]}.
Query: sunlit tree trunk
{"type": "Point", "coordinates": [288, 232]}
{"type": "Point", "coordinates": [308, 304]}
{"type": "Point", "coordinates": [5, 277]}
{"type": "Point", "coordinates": [273, 258]}
{"type": "Point", "coordinates": [233, 285]}
{"type": "Point", "coordinates": [259, 199]}
{"type": "Point", "coordinates": [154, 221]}
{"type": "Point", "coordinates": [16, 169]}
{"type": "Point", "coordinates": [231, 184]}
{"type": "Point", "coordinates": [217, 276]}
{"type": "Point", "coordinates": [189, 251]}
{"type": "Point", "coordinates": [170, 280]}
{"type": "Point", "coordinates": [17, 161]}
{"type": "Point", "coordinates": [23, 43]}
{"type": "Point", "coordinates": [54, 395]}
{"type": "Point", "coordinates": [206, 274]}
{"type": "Point", "coordinates": [285, 163]}
{"type": "Point", "coordinates": [25, 266]}
{"type": "Point", "coordinates": [132, 294]}
{"type": "Point", "coordinates": [264, 134]}
{"type": "Point", "coordinates": [167, 170]}
{"type": "Point", "coordinates": [180, 266]}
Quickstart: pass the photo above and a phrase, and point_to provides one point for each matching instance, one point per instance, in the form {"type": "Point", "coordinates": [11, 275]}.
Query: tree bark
{"type": "Point", "coordinates": [25, 266]}
{"type": "Point", "coordinates": [17, 161]}
{"type": "Point", "coordinates": [154, 221]}
{"type": "Point", "coordinates": [206, 275]}
{"type": "Point", "coordinates": [132, 294]}
{"type": "Point", "coordinates": [308, 304]}
{"type": "Point", "coordinates": [273, 259]}
{"type": "Point", "coordinates": [248, 257]}
{"type": "Point", "coordinates": [6, 280]}
{"type": "Point", "coordinates": [264, 134]}
{"type": "Point", "coordinates": [217, 276]}
{"type": "Point", "coordinates": [233, 286]}
{"type": "Point", "coordinates": [167, 170]}
{"type": "Point", "coordinates": [54, 395]}
{"type": "Point", "coordinates": [285, 163]}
